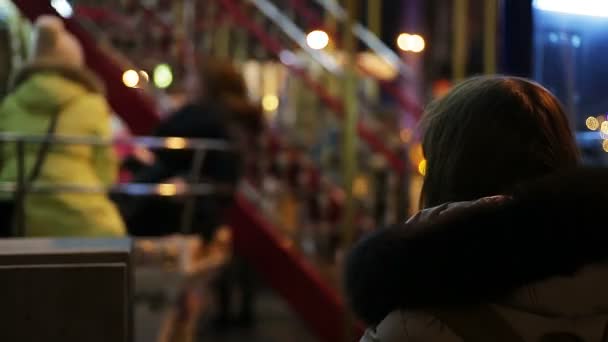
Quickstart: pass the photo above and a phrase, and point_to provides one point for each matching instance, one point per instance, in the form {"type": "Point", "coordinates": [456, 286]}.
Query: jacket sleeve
{"type": "Point", "coordinates": [404, 326]}
{"type": "Point", "coordinates": [95, 114]}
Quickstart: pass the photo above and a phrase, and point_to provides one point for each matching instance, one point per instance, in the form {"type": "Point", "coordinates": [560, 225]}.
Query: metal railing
{"type": "Point", "coordinates": [298, 36]}
{"type": "Point", "coordinates": [368, 38]}
{"type": "Point", "coordinates": [174, 143]}
{"type": "Point", "coordinates": [189, 189]}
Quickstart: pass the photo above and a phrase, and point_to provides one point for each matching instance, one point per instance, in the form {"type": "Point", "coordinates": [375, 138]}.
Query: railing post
{"type": "Point", "coordinates": [489, 36]}
{"type": "Point", "coordinates": [459, 51]}
{"type": "Point", "coordinates": [374, 22]}
{"type": "Point", "coordinates": [349, 134]}
{"type": "Point", "coordinates": [209, 19]}
{"type": "Point", "coordinates": [19, 198]}
{"type": "Point", "coordinates": [222, 38]}
{"type": "Point", "coordinates": [349, 140]}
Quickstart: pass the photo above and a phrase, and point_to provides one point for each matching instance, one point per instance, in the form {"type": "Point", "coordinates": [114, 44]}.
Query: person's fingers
{"type": "Point", "coordinates": [480, 203]}
{"type": "Point", "coordinates": [144, 155]}
{"type": "Point", "coordinates": [451, 207]}
{"type": "Point", "coordinates": [493, 199]}
{"type": "Point", "coordinates": [429, 213]}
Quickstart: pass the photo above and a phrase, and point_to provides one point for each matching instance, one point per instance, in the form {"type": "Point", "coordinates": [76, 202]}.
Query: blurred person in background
{"type": "Point", "coordinates": [526, 265]}
{"type": "Point", "coordinates": [219, 109]}
{"type": "Point", "coordinates": [54, 94]}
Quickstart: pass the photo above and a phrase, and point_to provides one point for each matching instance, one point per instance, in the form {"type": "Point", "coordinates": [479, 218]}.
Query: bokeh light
{"type": "Point", "coordinates": [163, 76]}
{"type": "Point", "coordinates": [130, 78]}
{"type": "Point", "coordinates": [270, 102]}
{"type": "Point", "coordinates": [592, 123]}
{"type": "Point", "coordinates": [410, 42]}
{"type": "Point", "coordinates": [317, 39]}
{"type": "Point", "coordinates": [422, 167]}
{"type": "Point", "coordinates": [604, 127]}
{"type": "Point", "coordinates": [63, 7]}
{"type": "Point", "coordinates": [360, 187]}
{"type": "Point", "coordinates": [176, 143]}
{"type": "Point", "coordinates": [144, 75]}
{"type": "Point", "coordinates": [403, 41]}
{"type": "Point", "coordinates": [417, 43]}
{"type": "Point", "coordinates": [167, 189]}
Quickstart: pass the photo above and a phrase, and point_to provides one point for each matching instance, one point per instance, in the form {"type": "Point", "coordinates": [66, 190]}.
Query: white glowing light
{"type": "Point", "coordinates": [63, 8]}
{"type": "Point", "coordinates": [130, 78]}
{"type": "Point", "coordinates": [317, 39]}
{"type": "Point", "coordinates": [592, 8]}
{"type": "Point", "coordinates": [403, 41]}
{"type": "Point", "coordinates": [416, 43]}
{"type": "Point", "coordinates": [410, 42]}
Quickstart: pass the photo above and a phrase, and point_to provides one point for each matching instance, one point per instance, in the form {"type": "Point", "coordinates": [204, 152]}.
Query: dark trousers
{"type": "Point", "coordinates": [236, 275]}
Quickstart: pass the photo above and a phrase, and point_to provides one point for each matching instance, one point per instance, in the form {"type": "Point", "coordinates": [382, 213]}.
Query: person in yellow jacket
{"type": "Point", "coordinates": [56, 82]}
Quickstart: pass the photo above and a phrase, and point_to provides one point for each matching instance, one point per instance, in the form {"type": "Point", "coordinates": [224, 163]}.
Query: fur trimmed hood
{"type": "Point", "coordinates": [483, 252]}
{"type": "Point", "coordinates": [82, 76]}
{"type": "Point", "coordinates": [42, 88]}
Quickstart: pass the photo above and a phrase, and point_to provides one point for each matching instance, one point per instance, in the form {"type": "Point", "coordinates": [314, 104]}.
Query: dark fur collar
{"type": "Point", "coordinates": [550, 227]}
{"type": "Point", "coordinates": [81, 75]}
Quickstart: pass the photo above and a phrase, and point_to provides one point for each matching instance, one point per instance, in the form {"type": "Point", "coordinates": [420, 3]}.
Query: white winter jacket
{"type": "Point", "coordinates": [536, 259]}
{"type": "Point", "coordinates": [575, 305]}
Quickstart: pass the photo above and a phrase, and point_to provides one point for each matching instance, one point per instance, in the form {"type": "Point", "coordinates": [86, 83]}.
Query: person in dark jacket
{"type": "Point", "coordinates": [221, 110]}
{"type": "Point", "coordinates": [526, 265]}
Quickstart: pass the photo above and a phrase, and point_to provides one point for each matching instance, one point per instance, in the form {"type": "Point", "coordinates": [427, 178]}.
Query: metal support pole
{"type": "Point", "coordinates": [374, 16]}
{"type": "Point", "coordinates": [19, 215]}
{"type": "Point", "coordinates": [189, 31]}
{"type": "Point", "coordinates": [240, 50]}
{"type": "Point", "coordinates": [178, 28]}
{"type": "Point", "coordinates": [349, 139]}
{"type": "Point", "coordinates": [222, 40]}
{"type": "Point", "coordinates": [459, 54]}
{"type": "Point", "coordinates": [374, 22]}
{"type": "Point", "coordinates": [489, 36]}
{"type": "Point", "coordinates": [350, 122]}
{"type": "Point", "coordinates": [331, 25]}
{"type": "Point", "coordinates": [209, 19]}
